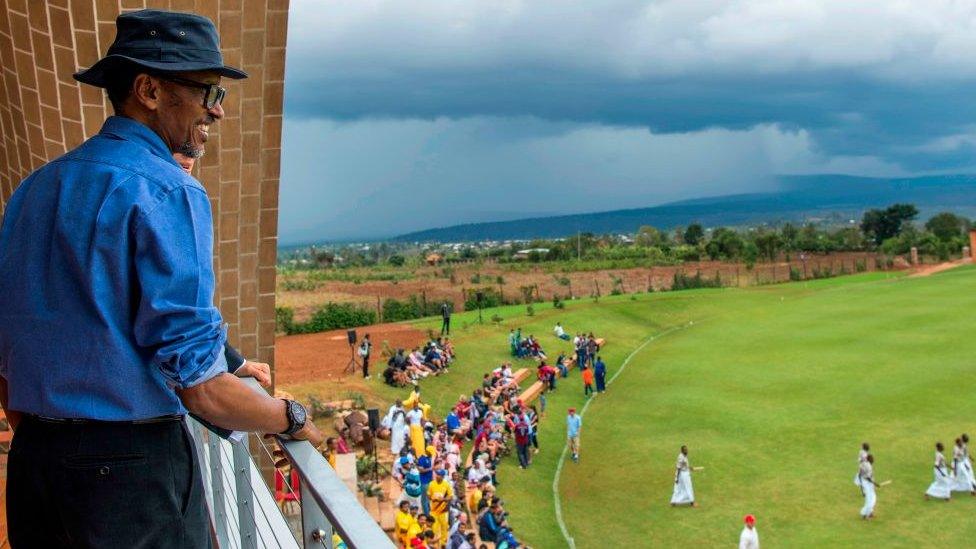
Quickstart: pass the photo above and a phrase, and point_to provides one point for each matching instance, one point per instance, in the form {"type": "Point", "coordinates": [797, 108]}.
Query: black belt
{"type": "Point", "coordinates": [85, 421]}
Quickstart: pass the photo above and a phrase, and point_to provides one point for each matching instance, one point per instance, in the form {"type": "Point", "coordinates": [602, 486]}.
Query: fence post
{"type": "Point", "coordinates": [245, 495]}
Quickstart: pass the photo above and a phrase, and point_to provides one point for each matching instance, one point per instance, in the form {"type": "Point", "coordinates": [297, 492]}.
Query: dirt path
{"type": "Point", "coordinates": [317, 357]}
{"type": "Point", "coordinates": [932, 269]}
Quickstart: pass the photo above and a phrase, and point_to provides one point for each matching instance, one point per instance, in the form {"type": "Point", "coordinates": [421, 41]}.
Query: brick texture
{"type": "Point", "coordinates": [44, 113]}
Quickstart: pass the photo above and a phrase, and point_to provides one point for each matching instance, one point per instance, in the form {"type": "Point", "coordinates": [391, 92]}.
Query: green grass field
{"type": "Point", "coordinates": [773, 389]}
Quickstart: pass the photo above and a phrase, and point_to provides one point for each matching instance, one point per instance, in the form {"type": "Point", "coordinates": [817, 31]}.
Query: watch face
{"type": "Point", "coordinates": [298, 412]}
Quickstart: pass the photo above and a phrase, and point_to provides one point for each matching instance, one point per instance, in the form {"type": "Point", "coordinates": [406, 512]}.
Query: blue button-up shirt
{"type": "Point", "coordinates": [573, 424]}
{"type": "Point", "coordinates": [107, 283]}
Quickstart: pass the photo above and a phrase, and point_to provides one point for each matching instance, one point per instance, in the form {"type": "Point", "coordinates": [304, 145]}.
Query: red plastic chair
{"type": "Point", "coordinates": [286, 497]}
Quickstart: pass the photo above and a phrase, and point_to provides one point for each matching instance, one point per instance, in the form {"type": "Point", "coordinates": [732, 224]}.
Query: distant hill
{"type": "Point", "coordinates": [799, 198]}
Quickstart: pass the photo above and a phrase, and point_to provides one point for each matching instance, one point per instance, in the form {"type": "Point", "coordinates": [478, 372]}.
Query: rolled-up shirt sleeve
{"type": "Point", "coordinates": [176, 317]}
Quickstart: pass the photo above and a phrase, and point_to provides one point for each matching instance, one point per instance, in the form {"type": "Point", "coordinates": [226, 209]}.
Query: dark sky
{"type": "Point", "coordinates": [409, 115]}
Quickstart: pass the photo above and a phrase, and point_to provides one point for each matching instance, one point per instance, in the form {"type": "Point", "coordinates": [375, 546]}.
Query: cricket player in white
{"type": "Point", "coordinates": [866, 475]}
{"type": "Point", "coordinates": [861, 456]}
{"type": "Point", "coordinates": [941, 486]}
{"type": "Point", "coordinates": [683, 491]}
{"type": "Point", "coordinates": [749, 538]}
{"type": "Point", "coordinates": [963, 478]}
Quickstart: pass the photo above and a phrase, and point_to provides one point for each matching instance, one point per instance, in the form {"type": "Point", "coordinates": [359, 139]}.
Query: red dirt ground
{"type": "Point", "coordinates": [316, 357]}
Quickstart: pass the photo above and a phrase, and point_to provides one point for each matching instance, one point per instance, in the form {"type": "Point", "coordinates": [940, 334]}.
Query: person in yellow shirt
{"type": "Point", "coordinates": [417, 529]}
{"type": "Point", "coordinates": [404, 520]}
{"type": "Point", "coordinates": [440, 493]}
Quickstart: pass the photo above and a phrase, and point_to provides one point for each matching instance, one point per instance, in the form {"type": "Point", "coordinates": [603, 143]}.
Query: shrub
{"type": "Point", "coordinates": [319, 409]}
{"type": "Point", "coordinates": [495, 318]}
{"type": "Point", "coordinates": [682, 281]}
{"type": "Point", "coordinates": [557, 303]}
{"type": "Point", "coordinates": [795, 274]}
{"type": "Point", "coordinates": [301, 285]}
{"type": "Point", "coordinates": [408, 309]}
{"type": "Point", "coordinates": [860, 266]}
{"type": "Point", "coordinates": [499, 279]}
{"type": "Point", "coordinates": [530, 310]}
{"type": "Point", "coordinates": [284, 319]}
{"type": "Point", "coordinates": [332, 316]}
{"type": "Point", "coordinates": [476, 278]}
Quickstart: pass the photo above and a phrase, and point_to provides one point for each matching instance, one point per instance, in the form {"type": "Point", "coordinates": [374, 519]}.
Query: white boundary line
{"type": "Point", "coordinates": [570, 542]}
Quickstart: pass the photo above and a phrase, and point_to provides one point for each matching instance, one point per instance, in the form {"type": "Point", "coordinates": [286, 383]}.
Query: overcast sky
{"type": "Point", "coordinates": [409, 115]}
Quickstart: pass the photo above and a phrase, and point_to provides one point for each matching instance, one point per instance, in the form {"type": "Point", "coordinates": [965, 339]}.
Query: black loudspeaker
{"type": "Point", "coordinates": [374, 419]}
{"type": "Point", "coordinates": [479, 296]}
{"type": "Point", "coordinates": [351, 334]}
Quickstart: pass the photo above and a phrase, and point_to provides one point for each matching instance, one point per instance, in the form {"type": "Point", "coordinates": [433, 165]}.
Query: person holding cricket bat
{"type": "Point", "coordinates": [866, 477]}
{"type": "Point", "coordinates": [963, 480]}
{"type": "Point", "coordinates": [683, 493]}
{"type": "Point", "coordinates": [861, 456]}
{"type": "Point", "coordinates": [941, 486]}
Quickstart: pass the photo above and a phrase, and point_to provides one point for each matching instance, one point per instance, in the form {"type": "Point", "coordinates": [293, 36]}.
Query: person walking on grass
{"type": "Point", "coordinates": [587, 381]}
{"type": "Point", "coordinates": [749, 538]}
{"type": "Point", "coordinates": [868, 485]}
{"type": "Point", "coordinates": [962, 472]}
{"type": "Point", "coordinates": [600, 373]}
{"type": "Point", "coordinates": [941, 487]}
{"type": "Point", "coordinates": [523, 437]}
{"type": "Point", "coordinates": [683, 493]}
{"type": "Point", "coordinates": [573, 425]}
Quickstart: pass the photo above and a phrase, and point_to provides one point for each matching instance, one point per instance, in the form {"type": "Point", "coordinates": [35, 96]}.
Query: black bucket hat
{"type": "Point", "coordinates": [162, 41]}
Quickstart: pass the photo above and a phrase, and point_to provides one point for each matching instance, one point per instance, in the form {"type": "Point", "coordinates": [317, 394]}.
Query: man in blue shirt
{"type": "Point", "coordinates": [108, 333]}
{"type": "Point", "coordinates": [426, 468]}
{"type": "Point", "coordinates": [573, 425]}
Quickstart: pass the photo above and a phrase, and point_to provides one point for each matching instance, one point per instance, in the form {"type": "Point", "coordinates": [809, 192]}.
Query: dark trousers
{"type": "Point", "coordinates": [366, 366]}
{"type": "Point", "coordinates": [523, 454]}
{"type": "Point", "coordinates": [446, 326]}
{"type": "Point", "coordinates": [104, 484]}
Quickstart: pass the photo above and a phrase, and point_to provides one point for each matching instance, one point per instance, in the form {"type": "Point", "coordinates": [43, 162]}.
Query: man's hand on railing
{"type": "Point", "coordinates": [309, 432]}
{"type": "Point", "coordinates": [258, 370]}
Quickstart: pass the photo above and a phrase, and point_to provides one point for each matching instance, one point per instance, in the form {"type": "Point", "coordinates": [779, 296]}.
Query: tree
{"type": "Point", "coordinates": [397, 260]}
{"type": "Point", "coordinates": [789, 233]}
{"type": "Point", "coordinates": [648, 236]}
{"type": "Point", "coordinates": [946, 226]}
{"type": "Point", "coordinates": [725, 244]}
{"type": "Point", "coordinates": [880, 225]}
{"type": "Point", "coordinates": [694, 234]}
{"type": "Point", "coordinates": [768, 245]}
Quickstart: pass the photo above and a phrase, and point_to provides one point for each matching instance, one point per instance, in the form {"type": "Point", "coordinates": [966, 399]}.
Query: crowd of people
{"type": "Point", "coordinates": [431, 359]}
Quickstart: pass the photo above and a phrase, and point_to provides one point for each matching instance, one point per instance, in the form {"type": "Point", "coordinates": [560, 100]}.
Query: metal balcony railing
{"type": "Point", "coordinates": [244, 513]}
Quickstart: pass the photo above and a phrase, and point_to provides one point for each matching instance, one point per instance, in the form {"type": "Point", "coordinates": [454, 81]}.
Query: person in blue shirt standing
{"type": "Point", "coordinates": [600, 371]}
{"type": "Point", "coordinates": [108, 333]}
{"type": "Point", "coordinates": [425, 465]}
{"type": "Point", "coordinates": [573, 425]}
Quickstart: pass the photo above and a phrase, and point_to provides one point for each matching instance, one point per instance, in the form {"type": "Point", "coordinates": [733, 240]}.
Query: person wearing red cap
{"type": "Point", "coordinates": [749, 539]}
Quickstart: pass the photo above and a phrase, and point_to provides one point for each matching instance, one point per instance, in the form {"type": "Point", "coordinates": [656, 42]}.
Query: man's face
{"type": "Point", "coordinates": [183, 120]}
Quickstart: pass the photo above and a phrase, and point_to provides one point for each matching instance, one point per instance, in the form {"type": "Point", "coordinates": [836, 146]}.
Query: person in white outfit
{"type": "Point", "coordinates": [868, 486]}
{"type": "Point", "coordinates": [749, 538]}
{"type": "Point", "coordinates": [683, 493]}
{"type": "Point", "coordinates": [966, 459]}
{"type": "Point", "coordinates": [941, 486]}
{"type": "Point", "coordinates": [861, 456]}
{"type": "Point", "coordinates": [962, 480]}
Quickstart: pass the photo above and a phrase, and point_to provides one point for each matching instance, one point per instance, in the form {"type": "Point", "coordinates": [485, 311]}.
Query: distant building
{"type": "Point", "coordinates": [524, 254]}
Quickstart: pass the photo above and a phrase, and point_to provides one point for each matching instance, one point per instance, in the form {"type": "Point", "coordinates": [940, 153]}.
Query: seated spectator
{"type": "Point", "coordinates": [560, 333]}
{"type": "Point", "coordinates": [561, 364]}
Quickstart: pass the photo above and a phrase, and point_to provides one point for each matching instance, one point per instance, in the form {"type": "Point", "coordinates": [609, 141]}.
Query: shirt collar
{"type": "Point", "coordinates": [137, 132]}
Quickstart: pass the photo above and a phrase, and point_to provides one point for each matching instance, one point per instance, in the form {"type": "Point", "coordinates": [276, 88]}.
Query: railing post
{"type": "Point", "coordinates": [217, 489]}
{"type": "Point", "coordinates": [245, 494]}
{"type": "Point", "coordinates": [316, 529]}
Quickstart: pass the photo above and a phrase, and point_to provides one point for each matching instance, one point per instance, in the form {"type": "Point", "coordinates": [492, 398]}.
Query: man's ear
{"type": "Point", "coordinates": [146, 91]}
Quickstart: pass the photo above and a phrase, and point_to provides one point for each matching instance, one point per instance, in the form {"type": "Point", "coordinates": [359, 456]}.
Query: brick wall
{"type": "Point", "coordinates": [44, 112]}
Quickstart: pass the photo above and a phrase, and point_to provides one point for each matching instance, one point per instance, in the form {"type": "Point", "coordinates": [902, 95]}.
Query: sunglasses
{"type": "Point", "coordinates": [213, 96]}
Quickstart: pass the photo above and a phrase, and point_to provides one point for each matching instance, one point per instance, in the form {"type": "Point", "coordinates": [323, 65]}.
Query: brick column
{"type": "Point", "coordinates": [972, 243]}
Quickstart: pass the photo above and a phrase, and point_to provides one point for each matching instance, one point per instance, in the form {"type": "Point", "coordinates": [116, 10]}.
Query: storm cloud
{"type": "Point", "coordinates": [581, 106]}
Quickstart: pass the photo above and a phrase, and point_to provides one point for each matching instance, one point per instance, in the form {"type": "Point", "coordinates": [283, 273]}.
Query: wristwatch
{"type": "Point", "coordinates": [297, 416]}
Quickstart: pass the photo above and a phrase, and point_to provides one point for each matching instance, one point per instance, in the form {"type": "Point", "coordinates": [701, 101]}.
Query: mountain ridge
{"type": "Point", "coordinates": [798, 198]}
